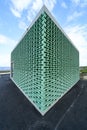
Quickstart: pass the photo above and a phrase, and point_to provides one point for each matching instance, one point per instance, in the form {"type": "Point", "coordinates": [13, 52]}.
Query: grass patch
{"type": "Point", "coordinates": [83, 70]}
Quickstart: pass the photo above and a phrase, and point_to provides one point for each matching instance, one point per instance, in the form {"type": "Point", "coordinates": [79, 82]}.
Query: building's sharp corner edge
{"type": "Point", "coordinates": [43, 113]}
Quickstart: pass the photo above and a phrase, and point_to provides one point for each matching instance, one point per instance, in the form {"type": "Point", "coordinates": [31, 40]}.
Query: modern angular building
{"type": "Point", "coordinates": [45, 63]}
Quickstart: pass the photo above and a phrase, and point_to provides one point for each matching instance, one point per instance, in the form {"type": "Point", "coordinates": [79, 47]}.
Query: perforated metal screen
{"type": "Point", "coordinates": [45, 63]}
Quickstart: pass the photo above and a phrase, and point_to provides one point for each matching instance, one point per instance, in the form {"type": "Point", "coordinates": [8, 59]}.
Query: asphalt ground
{"type": "Point", "coordinates": [17, 113]}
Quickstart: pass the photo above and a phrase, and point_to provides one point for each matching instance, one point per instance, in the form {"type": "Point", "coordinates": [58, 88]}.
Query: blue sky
{"type": "Point", "coordinates": [16, 16]}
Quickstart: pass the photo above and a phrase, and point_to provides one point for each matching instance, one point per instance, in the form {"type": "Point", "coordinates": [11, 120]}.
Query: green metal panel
{"type": "Point", "coordinates": [46, 64]}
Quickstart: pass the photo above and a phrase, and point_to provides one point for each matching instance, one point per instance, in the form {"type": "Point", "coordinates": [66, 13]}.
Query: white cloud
{"type": "Point", "coordinates": [37, 4]}
{"type": "Point", "coordinates": [6, 40]}
{"type": "Point", "coordinates": [6, 46]}
{"type": "Point", "coordinates": [4, 59]}
{"type": "Point", "coordinates": [16, 12]}
{"type": "Point", "coordinates": [76, 1]}
{"type": "Point", "coordinates": [74, 16]}
{"type": "Point", "coordinates": [78, 34]}
{"type": "Point", "coordinates": [17, 6]}
{"type": "Point", "coordinates": [63, 4]}
{"type": "Point", "coordinates": [22, 25]}
{"type": "Point", "coordinates": [81, 3]}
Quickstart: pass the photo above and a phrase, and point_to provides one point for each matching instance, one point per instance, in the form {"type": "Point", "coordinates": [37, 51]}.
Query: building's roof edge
{"type": "Point", "coordinates": [56, 22]}
{"type": "Point", "coordinates": [37, 16]}
{"type": "Point", "coordinates": [44, 8]}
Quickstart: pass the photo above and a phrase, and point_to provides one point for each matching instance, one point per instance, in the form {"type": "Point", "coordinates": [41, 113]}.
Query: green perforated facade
{"type": "Point", "coordinates": [45, 64]}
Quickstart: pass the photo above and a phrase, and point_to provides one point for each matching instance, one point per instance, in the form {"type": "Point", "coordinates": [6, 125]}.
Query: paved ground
{"type": "Point", "coordinates": [17, 113]}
